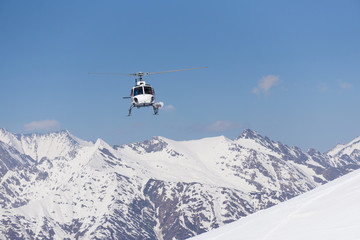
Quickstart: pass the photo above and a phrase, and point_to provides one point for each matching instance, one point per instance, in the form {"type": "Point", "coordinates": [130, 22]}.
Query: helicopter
{"type": "Point", "coordinates": [143, 94]}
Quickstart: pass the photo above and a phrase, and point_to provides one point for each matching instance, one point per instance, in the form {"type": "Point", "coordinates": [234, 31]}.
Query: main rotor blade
{"type": "Point", "coordinates": [96, 73]}
{"type": "Point", "coordinates": [140, 74]}
{"type": "Point", "coordinates": [174, 70]}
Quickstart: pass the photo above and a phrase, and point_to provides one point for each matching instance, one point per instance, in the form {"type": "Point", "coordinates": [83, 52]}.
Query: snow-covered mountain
{"type": "Point", "coordinates": [37, 146]}
{"type": "Point", "coordinates": [328, 212]}
{"type": "Point", "coordinates": [57, 186]}
{"type": "Point", "coordinates": [345, 153]}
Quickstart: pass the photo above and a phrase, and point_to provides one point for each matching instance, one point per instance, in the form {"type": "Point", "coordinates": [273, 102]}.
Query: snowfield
{"type": "Point", "coordinates": [330, 212]}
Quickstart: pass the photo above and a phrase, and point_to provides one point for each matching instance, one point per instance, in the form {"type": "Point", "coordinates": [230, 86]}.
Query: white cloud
{"type": "Point", "coordinates": [265, 84]}
{"type": "Point", "coordinates": [44, 125]}
{"type": "Point", "coordinates": [345, 85]}
{"type": "Point", "coordinates": [168, 107]}
{"type": "Point", "coordinates": [218, 126]}
{"type": "Point", "coordinates": [323, 87]}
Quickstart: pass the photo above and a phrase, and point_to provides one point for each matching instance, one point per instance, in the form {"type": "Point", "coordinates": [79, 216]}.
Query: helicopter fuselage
{"type": "Point", "coordinates": [142, 95]}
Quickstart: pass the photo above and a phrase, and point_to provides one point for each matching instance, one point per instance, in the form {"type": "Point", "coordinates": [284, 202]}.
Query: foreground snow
{"type": "Point", "coordinates": [331, 211]}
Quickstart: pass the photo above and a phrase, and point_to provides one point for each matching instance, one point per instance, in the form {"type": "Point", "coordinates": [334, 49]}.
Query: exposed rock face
{"type": "Point", "coordinates": [56, 186]}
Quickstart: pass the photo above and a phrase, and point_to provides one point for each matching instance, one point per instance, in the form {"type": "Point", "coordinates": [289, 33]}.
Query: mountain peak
{"type": "Point", "coordinates": [3, 130]}
{"type": "Point", "coordinates": [155, 144]}
{"type": "Point", "coordinates": [348, 148]}
{"type": "Point", "coordinates": [38, 145]}
{"type": "Point", "coordinates": [47, 134]}
{"type": "Point", "coordinates": [249, 134]}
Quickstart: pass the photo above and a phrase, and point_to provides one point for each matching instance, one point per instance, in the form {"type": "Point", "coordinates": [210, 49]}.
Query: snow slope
{"type": "Point", "coordinates": [330, 212]}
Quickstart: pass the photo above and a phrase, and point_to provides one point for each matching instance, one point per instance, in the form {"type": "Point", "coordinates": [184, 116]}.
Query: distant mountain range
{"type": "Point", "coordinates": [57, 186]}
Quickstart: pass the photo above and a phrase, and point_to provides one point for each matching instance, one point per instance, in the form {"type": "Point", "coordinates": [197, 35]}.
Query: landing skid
{"type": "Point", "coordinates": [131, 107]}
{"type": "Point", "coordinates": [156, 110]}
{"type": "Point", "coordinates": [155, 107]}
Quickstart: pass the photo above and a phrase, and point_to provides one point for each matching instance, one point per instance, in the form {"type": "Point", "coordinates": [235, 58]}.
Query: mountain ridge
{"type": "Point", "coordinates": [155, 189]}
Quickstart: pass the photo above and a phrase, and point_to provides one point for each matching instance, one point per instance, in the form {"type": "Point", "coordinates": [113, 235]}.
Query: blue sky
{"type": "Point", "coordinates": [288, 70]}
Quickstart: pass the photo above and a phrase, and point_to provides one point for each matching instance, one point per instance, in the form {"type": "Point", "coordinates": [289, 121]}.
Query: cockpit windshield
{"type": "Point", "coordinates": [138, 90]}
{"type": "Point", "coordinates": [141, 90]}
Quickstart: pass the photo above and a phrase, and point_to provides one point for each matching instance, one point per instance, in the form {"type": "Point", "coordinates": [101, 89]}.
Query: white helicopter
{"type": "Point", "coordinates": [142, 94]}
